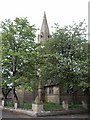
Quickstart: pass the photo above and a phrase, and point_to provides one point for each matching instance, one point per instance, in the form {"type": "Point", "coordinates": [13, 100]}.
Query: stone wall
{"type": "Point", "coordinates": [49, 96]}
{"type": "Point", "coordinates": [26, 96]}
{"type": "Point", "coordinates": [54, 97]}
{"type": "Point", "coordinates": [1, 94]}
{"type": "Point", "coordinates": [20, 94]}
{"type": "Point", "coordinates": [29, 97]}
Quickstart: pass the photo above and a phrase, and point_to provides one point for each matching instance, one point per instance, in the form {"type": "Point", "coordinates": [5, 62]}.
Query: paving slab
{"type": "Point", "coordinates": [45, 113]}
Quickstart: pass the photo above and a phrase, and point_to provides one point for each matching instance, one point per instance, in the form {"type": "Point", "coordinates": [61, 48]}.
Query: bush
{"type": "Point", "coordinates": [47, 106]}
{"type": "Point", "coordinates": [25, 105]}
{"type": "Point", "coordinates": [22, 105]}
{"type": "Point", "coordinates": [52, 106]}
{"type": "Point", "coordinates": [9, 104]}
{"type": "Point", "coordinates": [75, 106]}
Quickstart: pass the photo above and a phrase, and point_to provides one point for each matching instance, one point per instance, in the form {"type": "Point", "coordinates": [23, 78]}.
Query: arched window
{"type": "Point", "coordinates": [41, 34]}
{"type": "Point", "coordinates": [51, 90]}
{"type": "Point", "coordinates": [48, 36]}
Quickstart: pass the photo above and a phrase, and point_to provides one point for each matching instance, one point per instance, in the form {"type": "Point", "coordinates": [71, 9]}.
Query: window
{"type": "Point", "coordinates": [48, 36]}
{"type": "Point", "coordinates": [41, 36]}
{"type": "Point", "coordinates": [50, 90]}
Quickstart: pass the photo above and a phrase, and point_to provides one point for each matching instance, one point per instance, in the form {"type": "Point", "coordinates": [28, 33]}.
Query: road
{"type": "Point", "coordinates": [9, 114]}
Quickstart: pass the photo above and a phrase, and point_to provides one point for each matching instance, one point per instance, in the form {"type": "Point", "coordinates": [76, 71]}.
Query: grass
{"type": "Point", "coordinates": [47, 106]}
{"type": "Point", "coordinates": [71, 106]}
{"type": "Point", "coordinates": [9, 104]}
{"type": "Point", "coordinates": [22, 105]}
{"type": "Point", "coordinates": [52, 106]}
{"type": "Point", "coordinates": [25, 105]}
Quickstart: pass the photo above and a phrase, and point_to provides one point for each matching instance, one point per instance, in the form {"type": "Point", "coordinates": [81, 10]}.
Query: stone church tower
{"type": "Point", "coordinates": [44, 32]}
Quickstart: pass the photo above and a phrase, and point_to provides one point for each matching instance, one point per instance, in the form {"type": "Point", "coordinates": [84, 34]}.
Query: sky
{"type": "Point", "coordinates": [63, 12]}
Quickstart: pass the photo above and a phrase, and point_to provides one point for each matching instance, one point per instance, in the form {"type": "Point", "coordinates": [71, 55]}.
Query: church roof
{"type": "Point", "coordinates": [44, 32]}
{"type": "Point", "coordinates": [44, 27]}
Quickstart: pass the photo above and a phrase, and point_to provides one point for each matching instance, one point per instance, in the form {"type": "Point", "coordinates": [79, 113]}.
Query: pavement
{"type": "Point", "coordinates": [7, 114]}
{"type": "Point", "coordinates": [12, 114]}
{"type": "Point", "coordinates": [45, 113]}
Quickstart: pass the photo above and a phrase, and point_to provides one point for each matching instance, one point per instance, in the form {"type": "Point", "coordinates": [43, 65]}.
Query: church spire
{"type": "Point", "coordinates": [44, 33]}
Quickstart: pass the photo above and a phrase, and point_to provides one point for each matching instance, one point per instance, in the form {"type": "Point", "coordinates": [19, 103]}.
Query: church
{"type": "Point", "coordinates": [52, 93]}
{"type": "Point", "coordinates": [44, 32]}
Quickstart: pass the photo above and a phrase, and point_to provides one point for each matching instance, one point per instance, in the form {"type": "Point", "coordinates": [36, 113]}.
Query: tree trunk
{"type": "Point", "coordinates": [60, 95]}
{"type": "Point", "coordinates": [88, 99]}
{"type": "Point", "coordinates": [15, 96]}
{"type": "Point", "coordinates": [5, 94]}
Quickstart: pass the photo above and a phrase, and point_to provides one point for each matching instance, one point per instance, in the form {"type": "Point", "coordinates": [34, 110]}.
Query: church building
{"type": "Point", "coordinates": [52, 93]}
{"type": "Point", "coordinates": [44, 32]}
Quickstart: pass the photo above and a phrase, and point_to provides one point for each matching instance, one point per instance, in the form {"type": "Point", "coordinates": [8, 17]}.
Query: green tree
{"type": "Point", "coordinates": [18, 54]}
{"type": "Point", "coordinates": [64, 58]}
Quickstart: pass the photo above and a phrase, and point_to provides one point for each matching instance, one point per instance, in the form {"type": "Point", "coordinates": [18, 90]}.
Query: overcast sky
{"type": "Point", "coordinates": [63, 12]}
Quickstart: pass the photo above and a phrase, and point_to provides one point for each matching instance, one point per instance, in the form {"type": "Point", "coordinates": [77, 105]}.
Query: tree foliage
{"type": "Point", "coordinates": [62, 60]}
{"type": "Point", "coordinates": [18, 53]}
{"type": "Point", "coordinates": [64, 57]}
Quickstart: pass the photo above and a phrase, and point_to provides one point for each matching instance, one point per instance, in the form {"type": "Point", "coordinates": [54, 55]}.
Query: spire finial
{"type": "Point", "coordinates": [44, 15]}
